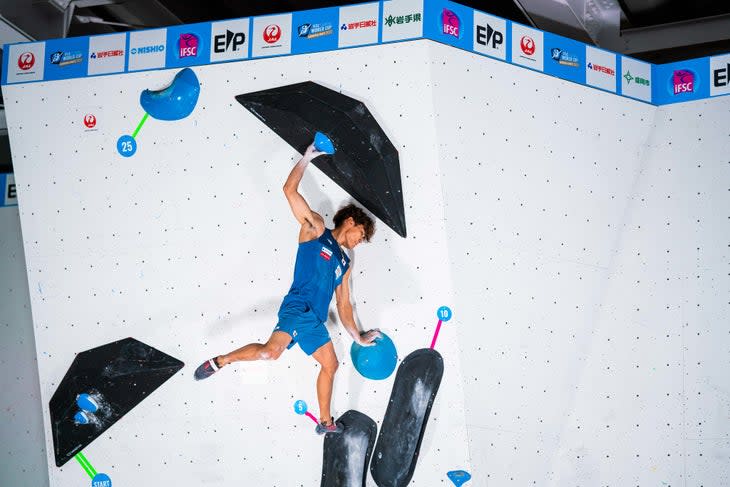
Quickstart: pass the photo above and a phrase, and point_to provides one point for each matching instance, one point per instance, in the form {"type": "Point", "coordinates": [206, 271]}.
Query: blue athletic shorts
{"type": "Point", "coordinates": [303, 327]}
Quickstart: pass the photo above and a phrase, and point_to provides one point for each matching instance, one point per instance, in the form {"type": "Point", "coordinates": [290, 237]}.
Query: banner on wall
{"type": "Point", "coordinates": [271, 36]}
{"type": "Point", "coordinates": [720, 75]}
{"type": "Point", "coordinates": [229, 40]}
{"type": "Point", "coordinates": [334, 28]}
{"type": "Point", "coordinates": [527, 47]}
{"type": "Point", "coordinates": [10, 195]}
{"type": "Point", "coordinates": [402, 20]}
{"type": "Point", "coordinates": [359, 25]}
{"type": "Point", "coordinates": [681, 81]}
{"type": "Point", "coordinates": [490, 35]}
{"type": "Point", "coordinates": [635, 79]}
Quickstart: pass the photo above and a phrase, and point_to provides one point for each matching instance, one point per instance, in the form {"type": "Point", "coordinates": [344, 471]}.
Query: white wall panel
{"type": "Point", "coordinates": [587, 250]}
{"type": "Point", "coordinates": [189, 246]}
{"type": "Point", "coordinates": [23, 453]}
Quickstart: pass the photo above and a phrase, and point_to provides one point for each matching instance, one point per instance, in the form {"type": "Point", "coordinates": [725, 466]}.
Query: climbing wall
{"type": "Point", "coordinates": [592, 236]}
{"type": "Point", "coordinates": [189, 245]}
{"type": "Point", "coordinates": [580, 239]}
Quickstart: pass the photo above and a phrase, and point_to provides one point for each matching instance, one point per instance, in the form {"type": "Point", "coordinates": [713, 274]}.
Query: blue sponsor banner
{"type": "Point", "coordinates": [187, 45]}
{"type": "Point", "coordinates": [449, 23]}
{"type": "Point", "coordinates": [682, 81]}
{"type": "Point", "coordinates": [564, 58]}
{"type": "Point", "coordinates": [66, 58]}
{"type": "Point", "coordinates": [315, 30]}
{"type": "Point", "coordinates": [6, 60]}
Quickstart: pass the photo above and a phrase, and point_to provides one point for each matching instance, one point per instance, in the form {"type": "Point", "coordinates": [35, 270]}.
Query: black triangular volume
{"type": "Point", "coordinates": [117, 376]}
{"type": "Point", "coordinates": [365, 163]}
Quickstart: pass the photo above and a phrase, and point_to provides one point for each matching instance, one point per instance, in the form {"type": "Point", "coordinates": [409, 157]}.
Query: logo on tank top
{"type": "Point", "coordinates": [325, 253]}
{"type": "Point", "coordinates": [338, 272]}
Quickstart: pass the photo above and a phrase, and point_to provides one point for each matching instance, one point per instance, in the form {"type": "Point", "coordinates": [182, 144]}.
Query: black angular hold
{"type": "Point", "coordinates": [414, 390]}
{"type": "Point", "coordinates": [346, 455]}
{"type": "Point", "coordinates": [118, 376]}
{"type": "Point", "coordinates": [365, 163]}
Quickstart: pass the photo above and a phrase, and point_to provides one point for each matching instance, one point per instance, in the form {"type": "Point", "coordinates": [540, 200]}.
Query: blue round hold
{"type": "Point", "coordinates": [126, 146]}
{"type": "Point", "coordinates": [377, 361]}
{"type": "Point", "coordinates": [81, 418]}
{"type": "Point", "coordinates": [87, 403]}
{"type": "Point", "coordinates": [101, 480]}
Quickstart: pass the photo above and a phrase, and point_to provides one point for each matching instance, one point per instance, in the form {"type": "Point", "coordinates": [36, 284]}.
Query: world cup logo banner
{"type": "Point", "coordinates": [188, 45]}
{"type": "Point", "coordinates": [450, 23]}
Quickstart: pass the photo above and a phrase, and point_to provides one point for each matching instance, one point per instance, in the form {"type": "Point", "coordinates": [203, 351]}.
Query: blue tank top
{"type": "Point", "coordinates": [319, 269]}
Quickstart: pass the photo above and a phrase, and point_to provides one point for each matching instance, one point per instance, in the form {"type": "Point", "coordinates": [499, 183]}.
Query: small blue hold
{"type": "Point", "coordinates": [87, 403]}
{"type": "Point", "coordinates": [81, 418]}
{"type": "Point", "coordinates": [175, 102]}
{"type": "Point", "coordinates": [377, 361]}
{"type": "Point", "coordinates": [323, 143]}
{"type": "Point", "coordinates": [458, 477]}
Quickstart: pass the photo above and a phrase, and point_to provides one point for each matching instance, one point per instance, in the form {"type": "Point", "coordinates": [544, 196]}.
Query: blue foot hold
{"type": "Point", "coordinates": [323, 144]}
{"type": "Point", "coordinates": [459, 477]}
{"type": "Point", "coordinates": [87, 403]}
{"type": "Point", "coordinates": [175, 102]}
{"type": "Point", "coordinates": [81, 418]}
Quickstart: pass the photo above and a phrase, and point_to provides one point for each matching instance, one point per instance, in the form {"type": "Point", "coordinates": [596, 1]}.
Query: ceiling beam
{"type": "Point", "coordinates": [675, 34]}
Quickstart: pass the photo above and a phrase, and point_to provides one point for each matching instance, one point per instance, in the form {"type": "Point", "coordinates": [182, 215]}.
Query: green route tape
{"type": "Point", "coordinates": [85, 464]}
{"type": "Point", "coordinates": [139, 127]}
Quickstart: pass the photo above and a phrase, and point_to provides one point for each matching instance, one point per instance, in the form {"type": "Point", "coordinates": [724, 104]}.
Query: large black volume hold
{"type": "Point", "coordinates": [118, 375]}
{"type": "Point", "coordinates": [414, 390]}
{"type": "Point", "coordinates": [346, 455]}
{"type": "Point", "coordinates": [365, 162]}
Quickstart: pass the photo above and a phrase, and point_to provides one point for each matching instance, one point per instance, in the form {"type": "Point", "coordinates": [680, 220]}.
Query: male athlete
{"type": "Point", "coordinates": [322, 268]}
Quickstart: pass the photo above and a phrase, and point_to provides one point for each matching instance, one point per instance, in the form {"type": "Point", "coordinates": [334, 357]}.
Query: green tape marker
{"type": "Point", "coordinates": [139, 127]}
{"type": "Point", "coordinates": [85, 464]}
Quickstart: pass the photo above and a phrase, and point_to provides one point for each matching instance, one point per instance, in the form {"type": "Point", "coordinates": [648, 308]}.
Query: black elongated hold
{"type": "Point", "coordinates": [346, 455]}
{"type": "Point", "coordinates": [399, 442]}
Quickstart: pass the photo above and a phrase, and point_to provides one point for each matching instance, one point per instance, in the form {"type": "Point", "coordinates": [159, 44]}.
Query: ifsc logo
{"type": "Point", "coordinates": [188, 45]}
{"type": "Point", "coordinates": [682, 81]}
{"type": "Point", "coordinates": [450, 23]}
